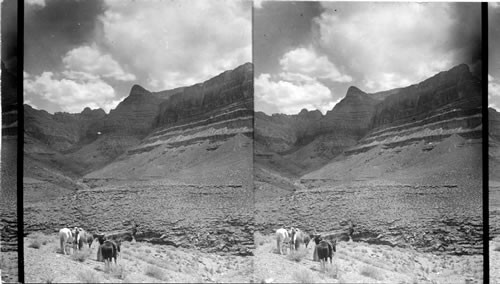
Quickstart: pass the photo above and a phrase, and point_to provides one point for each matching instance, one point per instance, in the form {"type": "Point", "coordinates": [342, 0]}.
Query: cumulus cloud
{"type": "Point", "coordinates": [177, 43]}
{"type": "Point", "coordinates": [40, 3]}
{"type": "Point", "coordinates": [69, 95]}
{"type": "Point", "coordinates": [278, 95]}
{"type": "Point", "coordinates": [493, 5]}
{"type": "Point", "coordinates": [298, 84]}
{"type": "Point", "coordinates": [305, 61]}
{"type": "Point", "coordinates": [88, 59]}
{"type": "Point", "coordinates": [388, 44]}
{"type": "Point", "coordinates": [257, 4]}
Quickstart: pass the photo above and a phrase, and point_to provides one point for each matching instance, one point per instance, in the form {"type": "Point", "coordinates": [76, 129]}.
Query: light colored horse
{"type": "Point", "coordinates": [282, 236]}
{"type": "Point", "coordinates": [65, 236]}
{"type": "Point", "coordinates": [83, 237]}
{"type": "Point", "coordinates": [297, 237]}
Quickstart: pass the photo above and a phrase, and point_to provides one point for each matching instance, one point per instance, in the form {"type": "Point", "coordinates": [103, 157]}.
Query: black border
{"type": "Point", "coordinates": [484, 85]}
{"type": "Point", "coordinates": [20, 139]}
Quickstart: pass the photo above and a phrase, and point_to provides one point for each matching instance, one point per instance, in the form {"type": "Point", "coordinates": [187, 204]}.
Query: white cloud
{"type": "Point", "coordinates": [306, 61]}
{"type": "Point", "coordinates": [493, 5]}
{"type": "Point", "coordinates": [69, 95]}
{"type": "Point", "coordinates": [89, 60]}
{"type": "Point", "coordinates": [379, 40]}
{"type": "Point", "coordinates": [40, 3]}
{"type": "Point", "coordinates": [276, 95]}
{"type": "Point", "coordinates": [177, 43]}
{"type": "Point", "coordinates": [257, 4]}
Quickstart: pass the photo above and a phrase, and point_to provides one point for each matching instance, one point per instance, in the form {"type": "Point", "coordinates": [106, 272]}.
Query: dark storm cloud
{"type": "Point", "coordinates": [278, 27]}
{"type": "Point", "coordinates": [466, 33]}
{"type": "Point", "coordinates": [9, 34]}
{"type": "Point", "coordinates": [55, 28]}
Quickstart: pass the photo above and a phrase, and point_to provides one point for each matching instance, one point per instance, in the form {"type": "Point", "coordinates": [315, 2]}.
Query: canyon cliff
{"type": "Point", "coordinates": [345, 143]}
{"type": "Point", "coordinates": [149, 135]}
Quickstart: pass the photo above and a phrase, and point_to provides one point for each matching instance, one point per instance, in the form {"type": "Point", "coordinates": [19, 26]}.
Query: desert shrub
{"type": "Point", "coordinates": [331, 271]}
{"type": "Point", "coordinates": [371, 272]}
{"type": "Point", "coordinates": [88, 276]}
{"type": "Point", "coordinates": [49, 279]}
{"type": "Point", "coordinates": [117, 272]}
{"type": "Point", "coordinates": [259, 239]}
{"type": "Point", "coordinates": [497, 247]}
{"type": "Point", "coordinates": [297, 255]}
{"type": "Point", "coordinates": [303, 276]}
{"type": "Point", "coordinates": [80, 255]}
{"type": "Point", "coordinates": [35, 244]}
{"type": "Point", "coordinates": [154, 272]}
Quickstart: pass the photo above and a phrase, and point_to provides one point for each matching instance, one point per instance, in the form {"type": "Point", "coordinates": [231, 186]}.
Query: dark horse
{"type": "Point", "coordinates": [324, 249]}
{"type": "Point", "coordinates": [109, 250]}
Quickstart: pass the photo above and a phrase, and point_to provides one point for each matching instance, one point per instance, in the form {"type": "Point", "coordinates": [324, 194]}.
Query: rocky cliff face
{"type": "Point", "coordinates": [200, 133]}
{"type": "Point", "coordinates": [281, 132]}
{"type": "Point", "coordinates": [211, 112]}
{"type": "Point", "coordinates": [446, 104]}
{"type": "Point", "coordinates": [310, 138]}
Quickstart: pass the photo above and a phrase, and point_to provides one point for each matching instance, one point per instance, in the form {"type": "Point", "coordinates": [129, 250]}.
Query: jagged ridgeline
{"type": "Point", "coordinates": [196, 134]}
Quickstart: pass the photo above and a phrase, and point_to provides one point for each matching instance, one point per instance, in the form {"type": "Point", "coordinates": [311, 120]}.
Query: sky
{"type": "Point", "coordinates": [307, 54]}
{"type": "Point", "coordinates": [494, 55]}
{"type": "Point", "coordinates": [90, 53]}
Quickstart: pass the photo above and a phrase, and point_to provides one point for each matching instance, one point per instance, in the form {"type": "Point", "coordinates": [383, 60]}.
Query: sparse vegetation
{"type": "Point", "coordinates": [80, 255]}
{"type": "Point", "coordinates": [331, 271]}
{"type": "Point", "coordinates": [371, 272]}
{"type": "Point", "coordinates": [303, 276]}
{"type": "Point", "coordinates": [155, 272]}
{"type": "Point", "coordinates": [117, 272]}
{"type": "Point", "coordinates": [49, 279]}
{"type": "Point", "coordinates": [88, 276]}
{"type": "Point", "coordinates": [297, 255]}
{"type": "Point", "coordinates": [35, 244]}
{"type": "Point", "coordinates": [497, 247]}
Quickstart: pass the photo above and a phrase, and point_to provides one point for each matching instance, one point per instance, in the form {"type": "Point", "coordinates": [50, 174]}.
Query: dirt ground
{"type": "Point", "coordinates": [363, 263]}
{"type": "Point", "coordinates": [137, 263]}
{"type": "Point", "coordinates": [495, 261]}
{"type": "Point", "coordinates": [146, 263]}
